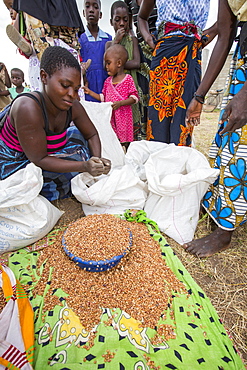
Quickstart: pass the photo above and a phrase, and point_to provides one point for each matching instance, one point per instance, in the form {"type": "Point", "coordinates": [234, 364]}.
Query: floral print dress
{"type": "Point", "coordinates": [175, 70]}
{"type": "Point", "coordinates": [226, 199]}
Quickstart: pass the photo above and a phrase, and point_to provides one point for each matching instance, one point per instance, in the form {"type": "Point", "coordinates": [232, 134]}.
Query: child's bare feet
{"type": "Point", "coordinates": [18, 40]}
{"type": "Point", "coordinates": [205, 247]}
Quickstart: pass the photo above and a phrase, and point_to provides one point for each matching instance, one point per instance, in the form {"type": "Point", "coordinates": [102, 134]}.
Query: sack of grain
{"type": "Point", "coordinates": [121, 189]}
{"type": "Point", "coordinates": [177, 178]}
{"type": "Point", "coordinates": [25, 216]}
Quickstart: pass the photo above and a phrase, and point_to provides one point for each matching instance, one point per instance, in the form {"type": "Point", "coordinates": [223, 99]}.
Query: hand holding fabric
{"type": "Point", "coordinates": [116, 105]}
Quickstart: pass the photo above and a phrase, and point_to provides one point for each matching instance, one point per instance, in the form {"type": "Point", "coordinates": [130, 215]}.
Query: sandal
{"type": "Point", "coordinates": [85, 66]}
{"type": "Point", "coordinates": [18, 40]}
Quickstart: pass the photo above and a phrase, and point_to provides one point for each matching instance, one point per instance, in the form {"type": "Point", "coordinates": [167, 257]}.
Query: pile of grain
{"type": "Point", "coordinates": [141, 284]}
{"type": "Point", "coordinates": [97, 237]}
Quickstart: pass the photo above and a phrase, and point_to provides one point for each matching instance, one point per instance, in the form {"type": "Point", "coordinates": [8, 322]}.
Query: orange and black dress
{"type": "Point", "coordinates": [175, 70]}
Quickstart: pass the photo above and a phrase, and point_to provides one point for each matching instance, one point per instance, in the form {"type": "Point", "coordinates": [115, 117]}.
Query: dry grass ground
{"type": "Point", "coordinates": [223, 276]}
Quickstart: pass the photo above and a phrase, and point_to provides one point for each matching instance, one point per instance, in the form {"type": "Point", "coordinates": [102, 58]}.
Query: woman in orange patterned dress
{"type": "Point", "coordinates": [175, 71]}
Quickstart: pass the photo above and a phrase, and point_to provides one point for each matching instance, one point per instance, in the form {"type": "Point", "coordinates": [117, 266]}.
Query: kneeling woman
{"type": "Point", "coordinates": [38, 129]}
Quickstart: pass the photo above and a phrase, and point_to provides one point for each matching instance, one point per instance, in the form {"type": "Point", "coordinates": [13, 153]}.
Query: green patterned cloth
{"type": "Point", "coordinates": [201, 341]}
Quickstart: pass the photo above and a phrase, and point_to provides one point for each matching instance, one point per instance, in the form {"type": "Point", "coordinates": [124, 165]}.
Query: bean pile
{"type": "Point", "coordinates": [97, 237]}
{"type": "Point", "coordinates": [141, 284]}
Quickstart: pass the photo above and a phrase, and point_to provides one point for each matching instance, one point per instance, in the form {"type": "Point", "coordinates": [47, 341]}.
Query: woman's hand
{"type": "Point", "coordinates": [97, 166]}
{"type": "Point", "coordinates": [193, 113]}
{"type": "Point", "coordinates": [94, 166]}
{"type": "Point", "coordinates": [235, 112]}
{"type": "Point", "coordinates": [107, 165]}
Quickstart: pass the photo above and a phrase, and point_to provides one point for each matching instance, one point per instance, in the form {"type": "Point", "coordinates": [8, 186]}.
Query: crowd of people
{"type": "Point", "coordinates": [149, 68]}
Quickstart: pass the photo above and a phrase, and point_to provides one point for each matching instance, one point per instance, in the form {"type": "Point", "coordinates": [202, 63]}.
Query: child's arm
{"type": "Point", "coordinates": [108, 44]}
{"type": "Point", "coordinates": [118, 104]}
{"type": "Point", "coordinates": [136, 61]}
{"type": "Point", "coordinates": [133, 96]}
{"type": "Point", "coordinates": [91, 93]}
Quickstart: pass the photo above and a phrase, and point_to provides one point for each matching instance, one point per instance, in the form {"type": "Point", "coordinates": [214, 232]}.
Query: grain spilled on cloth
{"type": "Point", "coordinates": [141, 284]}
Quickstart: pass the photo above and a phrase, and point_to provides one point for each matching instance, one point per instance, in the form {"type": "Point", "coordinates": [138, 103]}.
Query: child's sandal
{"type": "Point", "coordinates": [85, 66]}
{"type": "Point", "coordinates": [18, 40]}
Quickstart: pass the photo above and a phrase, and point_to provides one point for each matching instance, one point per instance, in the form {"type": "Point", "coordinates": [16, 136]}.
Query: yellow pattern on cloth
{"type": "Point", "coordinates": [16, 322]}
{"type": "Point", "coordinates": [239, 8]}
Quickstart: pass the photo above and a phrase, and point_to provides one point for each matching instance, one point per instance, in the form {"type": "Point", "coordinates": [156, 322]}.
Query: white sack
{"type": "Point", "coordinates": [25, 216]}
{"type": "Point", "coordinates": [100, 115]}
{"type": "Point", "coordinates": [139, 152]}
{"type": "Point", "coordinates": [121, 189]}
{"type": "Point", "coordinates": [178, 177]}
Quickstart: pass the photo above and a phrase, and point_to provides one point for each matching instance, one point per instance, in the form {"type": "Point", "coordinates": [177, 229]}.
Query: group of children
{"type": "Point", "coordinates": [112, 67]}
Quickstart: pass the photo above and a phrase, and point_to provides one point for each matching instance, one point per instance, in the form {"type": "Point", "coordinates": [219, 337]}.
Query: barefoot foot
{"type": "Point", "coordinates": [205, 247]}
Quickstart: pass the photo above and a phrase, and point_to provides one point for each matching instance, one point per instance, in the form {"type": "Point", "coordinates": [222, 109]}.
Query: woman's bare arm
{"type": "Point", "coordinates": [32, 137]}
{"type": "Point", "coordinates": [144, 13]}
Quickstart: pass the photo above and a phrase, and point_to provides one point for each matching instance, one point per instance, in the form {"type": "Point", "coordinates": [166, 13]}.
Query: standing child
{"type": "Point", "coordinates": [120, 89]}
{"type": "Point", "coordinates": [93, 42]}
{"type": "Point", "coordinates": [17, 79]}
{"type": "Point", "coordinates": [120, 22]}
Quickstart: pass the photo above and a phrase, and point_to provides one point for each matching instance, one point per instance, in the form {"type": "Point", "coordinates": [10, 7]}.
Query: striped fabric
{"type": "Point", "coordinates": [17, 329]}
{"type": "Point", "coordinates": [55, 141]}
{"type": "Point", "coordinates": [9, 136]}
{"type": "Point", "coordinates": [15, 357]}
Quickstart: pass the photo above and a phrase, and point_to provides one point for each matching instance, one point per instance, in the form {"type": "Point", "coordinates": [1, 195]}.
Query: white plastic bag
{"type": "Point", "coordinates": [121, 189]}
{"type": "Point", "coordinates": [25, 216]}
{"type": "Point", "coordinates": [100, 115]}
{"type": "Point", "coordinates": [177, 177]}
